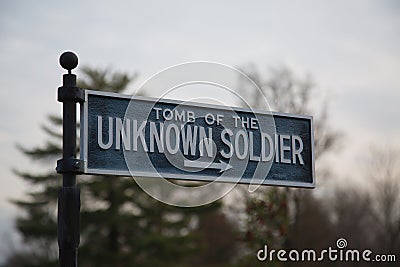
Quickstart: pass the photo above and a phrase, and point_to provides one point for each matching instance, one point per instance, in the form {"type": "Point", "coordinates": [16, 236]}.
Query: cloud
{"type": "Point", "coordinates": [351, 49]}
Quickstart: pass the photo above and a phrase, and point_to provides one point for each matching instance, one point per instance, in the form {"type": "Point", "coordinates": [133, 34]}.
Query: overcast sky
{"type": "Point", "coordinates": [351, 48]}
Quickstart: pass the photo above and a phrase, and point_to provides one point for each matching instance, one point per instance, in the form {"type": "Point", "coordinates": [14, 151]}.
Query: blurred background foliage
{"type": "Point", "coordinates": [122, 226]}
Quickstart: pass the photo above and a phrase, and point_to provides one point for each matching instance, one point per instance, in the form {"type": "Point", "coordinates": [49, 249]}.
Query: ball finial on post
{"type": "Point", "coordinates": [69, 61]}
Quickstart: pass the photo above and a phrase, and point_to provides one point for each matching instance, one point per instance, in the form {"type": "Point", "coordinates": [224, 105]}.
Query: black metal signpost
{"type": "Point", "coordinates": [69, 195]}
{"type": "Point", "coordinates": [118, 137]}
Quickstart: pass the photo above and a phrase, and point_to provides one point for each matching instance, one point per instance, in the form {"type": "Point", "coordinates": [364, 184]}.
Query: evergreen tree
{"type": "Point", "coordinates": [120, 224]}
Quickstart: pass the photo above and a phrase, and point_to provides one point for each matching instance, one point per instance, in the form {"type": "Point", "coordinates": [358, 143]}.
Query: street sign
{"type": "Point", "coordinates": [148, 137]}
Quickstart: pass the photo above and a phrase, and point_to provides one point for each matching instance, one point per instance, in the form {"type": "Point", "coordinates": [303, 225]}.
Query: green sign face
{"type": "Point", "coordinates": [136, 136]}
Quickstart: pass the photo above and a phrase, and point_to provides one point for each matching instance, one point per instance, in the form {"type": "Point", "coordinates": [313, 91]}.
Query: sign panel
{"type": "Point", "coordinates": [147, 137]}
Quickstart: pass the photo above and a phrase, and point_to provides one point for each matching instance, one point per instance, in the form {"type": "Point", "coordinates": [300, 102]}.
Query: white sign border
{"type": "Point", "coordinates": [188, 177]}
